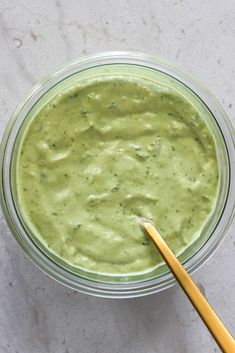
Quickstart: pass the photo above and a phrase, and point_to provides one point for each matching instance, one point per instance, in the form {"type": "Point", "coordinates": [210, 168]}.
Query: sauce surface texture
{"type": "Point", "coordinates": [101, 154]}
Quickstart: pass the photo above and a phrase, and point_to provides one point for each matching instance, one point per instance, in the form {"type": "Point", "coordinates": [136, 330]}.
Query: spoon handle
{"type": "Point", "coordinates": [222, 336]}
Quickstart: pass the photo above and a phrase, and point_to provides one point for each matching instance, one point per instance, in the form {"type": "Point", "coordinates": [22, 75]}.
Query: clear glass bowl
{"type": "Point", "coordinates": [151, 68]}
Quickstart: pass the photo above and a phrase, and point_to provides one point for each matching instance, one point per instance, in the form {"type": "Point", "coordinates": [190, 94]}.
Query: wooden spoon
{"type": "Point", "coordinates": [222, 336]}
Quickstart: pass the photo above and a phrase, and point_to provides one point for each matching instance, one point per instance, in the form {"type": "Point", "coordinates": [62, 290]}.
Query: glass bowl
{"type": "Point", "coordinates": [139, 65]}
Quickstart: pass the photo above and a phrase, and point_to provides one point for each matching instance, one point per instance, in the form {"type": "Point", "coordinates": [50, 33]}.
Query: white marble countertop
{"type": "Point", "coordinates": [39, 315]}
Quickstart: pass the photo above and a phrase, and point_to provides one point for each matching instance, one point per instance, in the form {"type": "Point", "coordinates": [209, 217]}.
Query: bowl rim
{"type": "Point", "coordinates": [119, 290]}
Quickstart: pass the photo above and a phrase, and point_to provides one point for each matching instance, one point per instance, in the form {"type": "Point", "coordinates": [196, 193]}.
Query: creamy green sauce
{"type": "Point", "coordinates": [98, 156]}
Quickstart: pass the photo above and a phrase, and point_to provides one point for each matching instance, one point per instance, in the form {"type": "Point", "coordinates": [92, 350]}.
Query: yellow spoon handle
{"type": "Point", "coordinates": [214, 324]}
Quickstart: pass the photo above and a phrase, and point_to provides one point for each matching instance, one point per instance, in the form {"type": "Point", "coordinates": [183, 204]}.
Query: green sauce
{"type": "Point", "coordinates": [98, 156]}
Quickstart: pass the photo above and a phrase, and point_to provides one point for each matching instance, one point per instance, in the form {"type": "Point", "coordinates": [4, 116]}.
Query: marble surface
{"type": "Point", "coordinates": [39, 315]}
